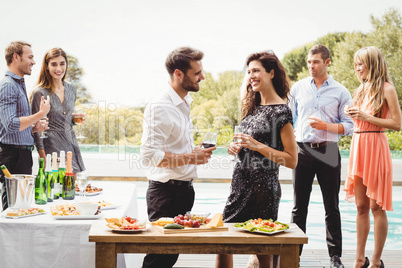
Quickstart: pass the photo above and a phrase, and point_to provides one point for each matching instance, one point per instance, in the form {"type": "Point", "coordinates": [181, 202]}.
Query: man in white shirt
{"type": "Point", "coordinates": [167, 148]}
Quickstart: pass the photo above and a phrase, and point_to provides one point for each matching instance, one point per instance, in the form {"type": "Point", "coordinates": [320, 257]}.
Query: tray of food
{"type": "Point", "coordinates": [89, 190]}
{"type": "Point", "coordinates": [72, 211]}
{"type": "Point", "coordinates": [126, 225]}
{"type": "Point", "coordinates": [260, 226]}
{"type": "Point", "coordinates": [103, 205]}
{"type": "Point", "coordinates": [186, 224]}
{"type": "Point", "coordinates": [22, 213]}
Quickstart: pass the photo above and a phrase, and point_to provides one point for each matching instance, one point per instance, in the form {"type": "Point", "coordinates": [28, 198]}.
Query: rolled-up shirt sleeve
{"type": "Point", "coordinates": [345, 120]}
{"type": "Point", "coordinates": [8, 108]}
{"type": "Point", "coordinates": [156, 129]}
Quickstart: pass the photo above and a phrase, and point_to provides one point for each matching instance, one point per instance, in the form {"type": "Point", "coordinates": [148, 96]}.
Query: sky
{"type": "Point", "coordinates": [122, 44]}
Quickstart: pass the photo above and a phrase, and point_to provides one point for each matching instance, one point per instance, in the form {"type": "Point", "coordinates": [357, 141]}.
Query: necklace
{"type": "Point", "coordinates": [60, 93]}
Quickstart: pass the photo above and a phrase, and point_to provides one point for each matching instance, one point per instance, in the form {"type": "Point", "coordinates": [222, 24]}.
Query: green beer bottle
{"type": "Point", "coordinates": [40, 185]}
{"type": "Point", "coordinates": [49, 178]}
{"type": "Point", "coordinates": [69, 179]}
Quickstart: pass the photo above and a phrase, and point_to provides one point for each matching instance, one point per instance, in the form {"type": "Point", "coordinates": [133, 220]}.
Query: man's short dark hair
{"type": "Point", "coordinates": [320, 49]}
{"type": "Point", "coordinates": [14, 47]}
{"type": "Point", "coordinates": [180, 59]}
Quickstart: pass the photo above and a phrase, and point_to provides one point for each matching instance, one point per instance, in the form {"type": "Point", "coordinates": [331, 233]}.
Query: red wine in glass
{"type": "Point", "coordinates": [208, 145]}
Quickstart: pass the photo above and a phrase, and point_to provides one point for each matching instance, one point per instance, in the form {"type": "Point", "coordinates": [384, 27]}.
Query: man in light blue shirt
{"type": "Point", "coordinates": [16, 121]}
{"type": "Point", "coordinates": [317, 105]}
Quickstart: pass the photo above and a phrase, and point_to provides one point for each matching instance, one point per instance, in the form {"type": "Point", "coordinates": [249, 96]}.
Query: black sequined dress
{"type": "Point", "coordinates": [255, 191]}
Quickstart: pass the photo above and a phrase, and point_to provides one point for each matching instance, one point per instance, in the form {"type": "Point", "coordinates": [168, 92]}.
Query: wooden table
{"type": "Point", "coordinates": [109, 244]}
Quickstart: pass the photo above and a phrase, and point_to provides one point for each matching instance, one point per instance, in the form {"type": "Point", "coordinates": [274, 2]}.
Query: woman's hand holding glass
{"type": "Point", "coordinates": [246, 141]}
{"type": "Point", "coordinates": [353, 110]}
{"type": "Point", "coordinates": [79, 119]}
{"type": "Point", "coordinates": [234, 148]}
{"type": "Point", "coordinates": [349, 108]}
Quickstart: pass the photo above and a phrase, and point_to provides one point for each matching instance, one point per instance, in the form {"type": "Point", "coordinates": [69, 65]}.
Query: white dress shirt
{"type": "Point", "coordinates": [167, 128]}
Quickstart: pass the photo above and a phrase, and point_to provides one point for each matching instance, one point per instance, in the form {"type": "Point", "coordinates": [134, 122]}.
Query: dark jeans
{"type": "Point", "coordinates": [325, 162]}
{"type": "Point", "coordinates": [166, 200]}
{"type": "Point", "coordinates": [17, 161]}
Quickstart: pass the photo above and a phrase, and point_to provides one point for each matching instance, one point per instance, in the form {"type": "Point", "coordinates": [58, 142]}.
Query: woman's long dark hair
{"type": "Point", "coordinates": [280, 81]}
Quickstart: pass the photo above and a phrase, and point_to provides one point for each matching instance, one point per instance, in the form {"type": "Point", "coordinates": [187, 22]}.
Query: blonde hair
{"type": "Point", "coordinates": [377, 75]}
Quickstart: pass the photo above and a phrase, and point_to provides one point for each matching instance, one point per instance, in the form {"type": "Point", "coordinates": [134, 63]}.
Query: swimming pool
{"type": "Point", "coordinates": [212, 197]}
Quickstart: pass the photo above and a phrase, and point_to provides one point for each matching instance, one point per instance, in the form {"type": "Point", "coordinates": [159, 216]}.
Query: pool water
{"type": "Point", "coordinates": [212, 197]}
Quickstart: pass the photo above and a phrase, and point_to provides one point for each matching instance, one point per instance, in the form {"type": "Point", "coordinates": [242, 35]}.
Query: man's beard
{"type": "Point", "coordinates": [188, 85]}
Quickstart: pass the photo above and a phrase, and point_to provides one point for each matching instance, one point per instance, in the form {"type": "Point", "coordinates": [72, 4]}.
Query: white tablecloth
{"type": "Point", "coordinates": [42, 241]}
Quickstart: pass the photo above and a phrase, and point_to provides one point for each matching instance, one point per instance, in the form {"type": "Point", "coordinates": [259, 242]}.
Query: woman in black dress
{"type": "Point", "coordinates": [267, 142]}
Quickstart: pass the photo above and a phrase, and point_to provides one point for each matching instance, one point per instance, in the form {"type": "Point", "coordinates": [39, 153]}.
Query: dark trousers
{"type": "Point", "coordinates": [17, 161]}
{"type": "Point", "coordinates": [166, 200]}
{"type": "Point", "coordinates": [325, 162]}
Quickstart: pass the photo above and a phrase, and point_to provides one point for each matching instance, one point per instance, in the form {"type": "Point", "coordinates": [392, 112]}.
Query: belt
{"type": "Point", "coordinates": [358, 132]}
{"type": "Point", "coordinates": [316, 145]}
{"type": "Point", "coordinates": [23, 147]}
{"type": "Point", "coordinates": [175, 182]}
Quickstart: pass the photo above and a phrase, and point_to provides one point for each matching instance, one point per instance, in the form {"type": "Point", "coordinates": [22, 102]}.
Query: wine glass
{"type": "Point", "coordinates": [43, 121]}
{"type": "Point", "coordinates": [352, 103]}
{"type": "Point", "coordinates": [78, 118]}
{"type": "Point", "coordinates": [237, 130]}
{"type": "Point", "coordinates": [82, 182]}
{"type": "Point", "coordinates": [210, 140]}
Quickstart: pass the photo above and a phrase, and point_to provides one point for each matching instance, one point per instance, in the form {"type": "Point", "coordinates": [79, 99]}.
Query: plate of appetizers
{"type": "Point", "coordinates": [89, 190]}
{"type": "Point", "coordinates": [22, 213]}
{"type": "Point", "coordinates": [260, 226]}
{"type": "Point", "coordinates": [69, 211]}
{"type": "Point", "coordinates": [126, 225]}
{"type": "Point", "coordinates": [103, 205]}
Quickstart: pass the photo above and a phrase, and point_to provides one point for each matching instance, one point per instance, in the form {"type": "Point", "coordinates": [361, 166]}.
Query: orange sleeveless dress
{"type": "Point", "coordinates": [370, 159]}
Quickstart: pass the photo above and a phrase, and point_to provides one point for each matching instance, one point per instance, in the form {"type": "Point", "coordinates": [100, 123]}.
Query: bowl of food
{"type": "Point", "coordinates": [198, 215]}
{"type": "Point", "coordinates": [87, 208]}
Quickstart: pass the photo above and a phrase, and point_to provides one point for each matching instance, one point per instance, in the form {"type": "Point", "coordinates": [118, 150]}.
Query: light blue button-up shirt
{"type": "Point", "coordinates": [326, 103]}
{"type": "Point", "coordinates": [13, 105]}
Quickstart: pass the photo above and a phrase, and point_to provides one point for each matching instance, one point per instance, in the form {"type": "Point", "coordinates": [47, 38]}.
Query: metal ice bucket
{"type": "Point", "coordinates": [20, 191]}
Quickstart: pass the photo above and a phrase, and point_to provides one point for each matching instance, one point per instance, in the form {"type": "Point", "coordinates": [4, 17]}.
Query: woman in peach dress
{"type": "Point", "coordinates": [369, 178]}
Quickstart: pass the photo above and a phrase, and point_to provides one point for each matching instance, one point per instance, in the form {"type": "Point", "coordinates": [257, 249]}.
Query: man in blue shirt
{"type": "Point", "coordinates": [317, 103]}
{"type": "Point", "coordinates": [16, 121]}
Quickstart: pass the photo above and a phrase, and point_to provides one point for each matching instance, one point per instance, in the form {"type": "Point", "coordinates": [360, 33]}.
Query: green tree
{"type": "Point", "coordinates": [216, 107]}
{"type": "Point", "coordinates": [342, 65]}
{"type": "Point", "coordinates": [74, 74]}
{"type": "Point", "coordinates": [112, 125]}
{"type": "Point", "coordinates": [295, 61]}
{"type": "Point", "coordinates": [386, 34]}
